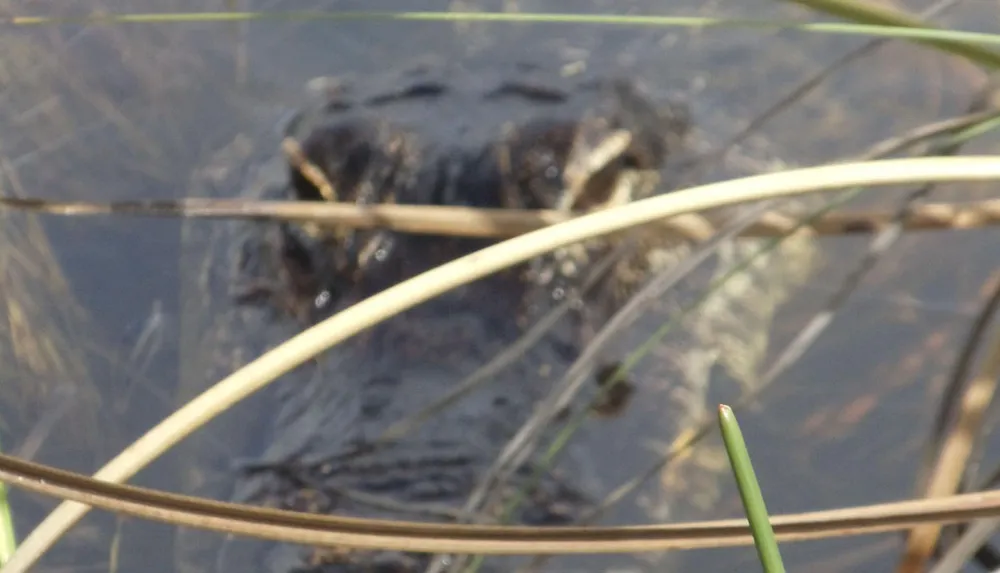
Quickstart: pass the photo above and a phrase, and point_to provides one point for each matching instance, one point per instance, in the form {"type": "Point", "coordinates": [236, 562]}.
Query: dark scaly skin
{"type": "Point", "coordinates": [420, 138]}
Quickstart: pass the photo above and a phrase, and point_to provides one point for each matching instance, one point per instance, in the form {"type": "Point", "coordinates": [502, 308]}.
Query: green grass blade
{"type": "Point", "coordinates": [869, 13]}
{"type": "Point", "coordinates": [753, 500]}
{"type": "Point", "coordinates": [967, 44]}
{"type": "Point", "coordinates": [8, 540]}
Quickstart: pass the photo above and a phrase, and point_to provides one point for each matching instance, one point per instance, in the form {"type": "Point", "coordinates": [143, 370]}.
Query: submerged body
{"type": "Point", "coordinates": [430, 136]}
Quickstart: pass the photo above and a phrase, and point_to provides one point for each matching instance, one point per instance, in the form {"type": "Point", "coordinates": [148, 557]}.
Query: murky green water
{"type": "Point", "coordinates": [127, 111]}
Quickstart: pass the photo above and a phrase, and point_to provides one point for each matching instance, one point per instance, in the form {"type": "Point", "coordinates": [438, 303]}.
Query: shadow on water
{"type": "Point", "coordinates": [95, 308]}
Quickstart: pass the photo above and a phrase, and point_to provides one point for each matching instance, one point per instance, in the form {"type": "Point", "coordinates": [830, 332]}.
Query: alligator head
{"type": "Point", "coordinates": [573, 146]}
{"type": "Point", "coordinates": [432, 140]}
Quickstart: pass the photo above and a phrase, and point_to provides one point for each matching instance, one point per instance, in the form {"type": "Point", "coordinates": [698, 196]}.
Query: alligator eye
{"type": "Point", "coordinates": [642, 158]}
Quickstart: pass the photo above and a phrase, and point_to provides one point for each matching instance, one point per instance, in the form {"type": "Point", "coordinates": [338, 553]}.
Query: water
{"type": "Point", "coordinates": [127, 111]}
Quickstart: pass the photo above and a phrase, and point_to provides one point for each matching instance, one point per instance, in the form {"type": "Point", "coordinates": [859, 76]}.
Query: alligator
{"type": "Point", "coordinates": [431, 135]}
